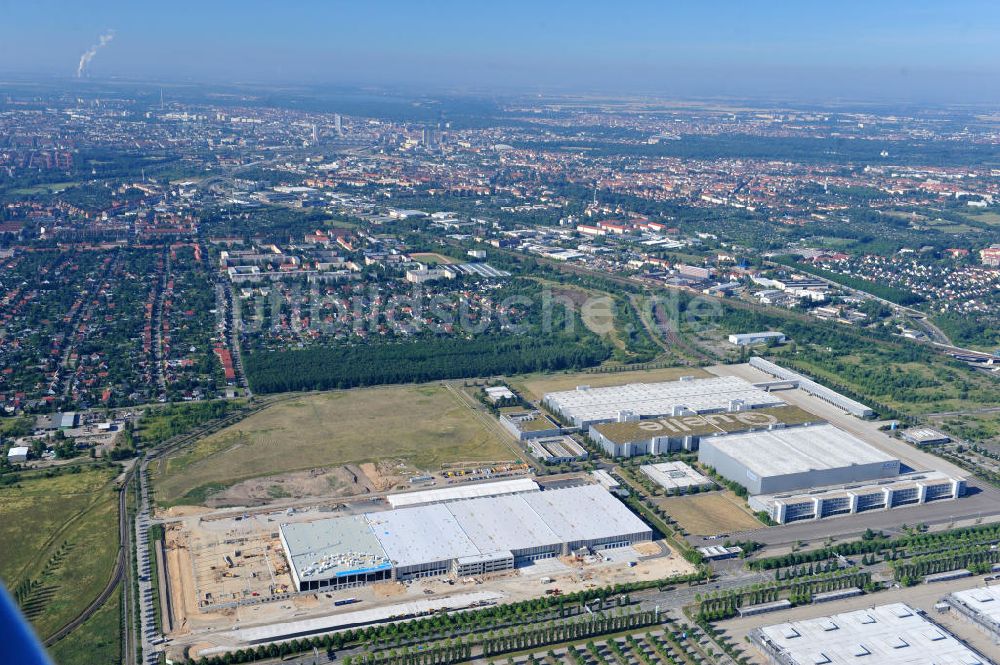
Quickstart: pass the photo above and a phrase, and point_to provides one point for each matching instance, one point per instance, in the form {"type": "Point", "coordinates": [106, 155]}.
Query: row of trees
{"type": "Point", "coordinates": [876, 543]}
{"type": "Point", "coordinates": [451, 651]}
{"type": "Point", "coordinates": [724, 604]}
{"type": "Point", "coordinates": [324, 368]}
{"type": "Point", "coordinates": [911, 571]}
{"type": "Point", "coordinates": [434, 628]}
{"type": "Point", "coordinates": [806, 571]}
{"type": "Point", "coordinates": [648, 650]}
{"type": "Point", "coordinates": [600, 623]}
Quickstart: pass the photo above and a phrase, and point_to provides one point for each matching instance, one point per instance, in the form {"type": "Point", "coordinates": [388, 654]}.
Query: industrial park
{"type": "Point", "coordinates": [387, 336]}
{"type": "Point", "coordinates": [243, 577]}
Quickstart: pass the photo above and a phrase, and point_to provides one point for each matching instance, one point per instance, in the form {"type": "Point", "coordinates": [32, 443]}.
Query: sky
{"type": "Point", "coordinates": [876, 50]}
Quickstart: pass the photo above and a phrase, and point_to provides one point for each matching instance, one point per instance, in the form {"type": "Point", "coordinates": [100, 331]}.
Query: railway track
{"type": "Point", "coordinates": [117, 574]}
{"type": "Point", "coordinates": [632, 283]}
{"type": "Point", "coordinates": [120, 571]}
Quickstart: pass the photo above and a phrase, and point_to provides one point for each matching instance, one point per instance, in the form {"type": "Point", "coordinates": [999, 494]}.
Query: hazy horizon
{"type": "Point", "coordinates": [892, 52]}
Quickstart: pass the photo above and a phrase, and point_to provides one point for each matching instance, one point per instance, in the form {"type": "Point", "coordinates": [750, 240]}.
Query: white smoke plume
{"type": "Point", "coordinates": [89, 54]}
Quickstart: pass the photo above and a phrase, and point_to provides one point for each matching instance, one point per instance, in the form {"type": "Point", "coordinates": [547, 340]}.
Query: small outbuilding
{"type": "Point", "coordinates": [18, 454]}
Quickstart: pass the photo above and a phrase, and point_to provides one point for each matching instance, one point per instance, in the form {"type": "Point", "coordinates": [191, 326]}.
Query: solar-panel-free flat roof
{"type": "Point", "coordinates": [469, 491]}
{"type": "Point", "coordinates": [984, 603]}
{"type": "Point", "coordinates": [503, 523]}
{"type": "Point", "coordinates": [585, 513]}
{"type": "Point", "coordinates": [425, 534]}
{"type": "Point", "coordinates": [674, 475]}
{"type": "Point", "coordinates": [463, 529]}
{"type": "Point", "coordinates": [797, 449]}
{"type": "Point", "coordinates": [892, 634]}
{"type": "Point", "coordinates": [588, 405]}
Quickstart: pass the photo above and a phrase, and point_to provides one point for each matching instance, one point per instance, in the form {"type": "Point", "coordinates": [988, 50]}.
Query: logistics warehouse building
{"type": "Point", "coordinates": [911, 489]}
{"type": "Point", "coordinates": [466, 537]}
{"type": "Point", "coordinates": [806, 384]}
{"type": "Point", "coordinates": [658, 436]}
{"type": "Point", "coordinates": [893, 634]}
{"type": "Point", "coordinates": [818, 471]}
{"type": "Point", "coordinates": [587, 406]}
{"type": "Point", "coordinates": [795, 458]}
{"type": "Point", "coordinates": [981, 606]}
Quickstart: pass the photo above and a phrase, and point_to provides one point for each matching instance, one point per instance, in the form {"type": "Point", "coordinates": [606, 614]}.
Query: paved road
{"type": "Point", "coordinates": [230, 329]}
{"type": "Point", "coordinates": [156, 323]}
{"type": "Point", "coordinates": [143, 520]}
{"type": "Point", "coordinates": [147, 607]}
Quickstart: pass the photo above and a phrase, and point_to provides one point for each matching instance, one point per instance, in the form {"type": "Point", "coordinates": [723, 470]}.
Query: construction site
{"type": "Point", "coordinates": [250, 571]}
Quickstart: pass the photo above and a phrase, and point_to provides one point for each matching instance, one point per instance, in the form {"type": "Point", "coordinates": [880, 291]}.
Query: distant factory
{"type": "Point", "coordinates": [793, 464]}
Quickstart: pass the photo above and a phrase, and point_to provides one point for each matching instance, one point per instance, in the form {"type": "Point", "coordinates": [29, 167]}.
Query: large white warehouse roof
{"type": "Point", "coordinates": [797, 449]}
{"type": "Point", "coordinates": [414, 536]}
{"type": "Point", "coordinates": [470, 528]}
{"type": "Point", "coordinates": [586, 405]}
{"type": "Point", "coordinates": [888, 635]}
{"type": "Point", "coordinates": [505, 522]}
{"type": "Point", "coordinates": [588, 513]}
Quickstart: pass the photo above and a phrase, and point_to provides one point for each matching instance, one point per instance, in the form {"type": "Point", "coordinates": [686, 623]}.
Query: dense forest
{"type": "Point", "coordinates": [966, 331]}
{"type": "Point", "coordinates": [268, 223]}
{"type": "Point", "coordinates": [324, 368]}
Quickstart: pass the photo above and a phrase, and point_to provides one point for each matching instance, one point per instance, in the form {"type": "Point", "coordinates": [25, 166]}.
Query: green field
{"type": "Point", "coordinates": [432, 258]}
{"type": "Point", "coordinates": [909, 387]}
{"type": "Point", "coordinates": [425, 426]}
{"type": "Point", "coordinates": [62, 534]}
{"type": "Point", "coordinates": [991, 218]}
{"type": "Point", "coordinates": [975, 427]}
{"type": "Point", "coordinates": [97, 641]}
{"type": "Point", "coordinates": [46, 188]}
